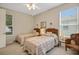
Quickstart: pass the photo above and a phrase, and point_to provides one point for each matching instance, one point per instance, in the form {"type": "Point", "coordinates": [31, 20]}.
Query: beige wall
{"type": "Point", "coordinates": [78, 19]}
{"type": "Point", "coordinates": [52, 15]}
{"type": "Point", "coordinates": [22, 23]}
{"type": "Point", "coordinates": [2, 28]}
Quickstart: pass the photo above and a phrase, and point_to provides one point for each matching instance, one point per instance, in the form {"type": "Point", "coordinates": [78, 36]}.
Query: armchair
{"type": "Point", "coordinates": [72, 42]}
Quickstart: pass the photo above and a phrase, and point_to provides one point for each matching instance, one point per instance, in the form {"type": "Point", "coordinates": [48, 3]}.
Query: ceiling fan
{"type": "Point", "coordinates": [32, 6]}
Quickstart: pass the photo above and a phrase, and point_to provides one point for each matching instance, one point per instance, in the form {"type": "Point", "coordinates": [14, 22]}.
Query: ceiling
{"type": "Point", "coordinates": [20, 7]}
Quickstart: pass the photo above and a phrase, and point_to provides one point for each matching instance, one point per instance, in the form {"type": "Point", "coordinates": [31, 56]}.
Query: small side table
{"type": "Point", "coordinates": [61, 43]}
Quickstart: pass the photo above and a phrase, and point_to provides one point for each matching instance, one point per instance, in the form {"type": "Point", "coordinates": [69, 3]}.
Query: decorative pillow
{"type": "Point", "coordinates": [73, 42]}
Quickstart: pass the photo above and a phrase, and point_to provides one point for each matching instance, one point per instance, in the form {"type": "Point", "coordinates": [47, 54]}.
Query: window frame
{"type": "Point", "coordinates": [60, 17]}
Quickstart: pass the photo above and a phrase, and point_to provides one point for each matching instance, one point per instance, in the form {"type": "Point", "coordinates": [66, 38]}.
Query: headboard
{"type": "Point", "coordinates": [37, 30]}
{"type": "Point", "coordinates": [53, 30]}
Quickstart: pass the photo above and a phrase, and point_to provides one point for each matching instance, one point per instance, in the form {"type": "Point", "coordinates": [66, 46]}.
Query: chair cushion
{"type": "Point", "coordinates": [73, 42]}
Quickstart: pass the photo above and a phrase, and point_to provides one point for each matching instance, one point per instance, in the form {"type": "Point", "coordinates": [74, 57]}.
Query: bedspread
{"type": "Point", "coordinates": [21, 37]}
{"type": "Point", "coordinates": [40, 45]}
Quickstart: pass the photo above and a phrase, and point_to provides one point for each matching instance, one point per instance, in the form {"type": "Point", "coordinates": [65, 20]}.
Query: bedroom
{"type": "Point", "coordinates": [25, 23]}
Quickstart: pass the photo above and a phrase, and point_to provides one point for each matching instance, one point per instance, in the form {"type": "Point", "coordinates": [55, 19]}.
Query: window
{"type": "Point", "coordinates": [8, 24]}
{"type": "Point", "coordinates": [69, 21]}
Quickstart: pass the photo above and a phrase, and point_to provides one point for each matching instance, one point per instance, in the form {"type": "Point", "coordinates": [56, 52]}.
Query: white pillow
{"type": "Point", "coordinates": [51, 34]}
{"type": "Point", "coordinates": [35, 33]}
{"type": "Point", "coordinates": [42, 31]}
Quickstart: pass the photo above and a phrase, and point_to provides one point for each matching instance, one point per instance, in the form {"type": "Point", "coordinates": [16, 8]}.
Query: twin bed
{"type": "Point", "coordinates": [21, 37]}
{"type": "Point", "coordinates": [39, 45]}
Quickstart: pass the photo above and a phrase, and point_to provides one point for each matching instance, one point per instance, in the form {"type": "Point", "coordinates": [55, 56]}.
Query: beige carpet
{"type": "Point", "coordinates": [13, 49]}
{"type": "Point", "coordinates": [16, 49]}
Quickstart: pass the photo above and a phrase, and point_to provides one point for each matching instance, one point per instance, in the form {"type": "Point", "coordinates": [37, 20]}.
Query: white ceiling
{"type": "Point", "coordinates": [20, 7]}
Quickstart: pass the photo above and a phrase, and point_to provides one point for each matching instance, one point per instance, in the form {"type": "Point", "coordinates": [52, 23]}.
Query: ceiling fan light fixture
{"type": "Point", "coordinates": [28, 5]}
{"type": "Point", "coordinates": [31, 6]}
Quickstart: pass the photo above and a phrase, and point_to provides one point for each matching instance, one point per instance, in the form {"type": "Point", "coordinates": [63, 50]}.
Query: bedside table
{"type": "Point", "coordinates": [61, 43]}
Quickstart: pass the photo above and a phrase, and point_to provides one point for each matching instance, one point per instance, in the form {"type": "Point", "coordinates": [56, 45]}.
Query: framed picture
{"type": "Point", "coordinates": [43, 24]}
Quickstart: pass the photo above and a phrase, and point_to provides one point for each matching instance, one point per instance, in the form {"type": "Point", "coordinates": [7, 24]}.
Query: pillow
{"type": "Point", "coordinates": [51, 34]}
{"type": "Point", "coordinates": [42, 31]}
{"type": "Point", "coordinates": [35, 33]}
{"type": "Point", "coordinates": [73, 42]}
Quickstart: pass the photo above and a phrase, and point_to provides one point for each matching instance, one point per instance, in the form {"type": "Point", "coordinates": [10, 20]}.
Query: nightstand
{"type": "Point", "coordinates": [61, 43]}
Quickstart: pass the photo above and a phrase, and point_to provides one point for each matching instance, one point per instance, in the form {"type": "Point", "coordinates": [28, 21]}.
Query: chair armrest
{"type": "Point", "coordinates": [68, 41]}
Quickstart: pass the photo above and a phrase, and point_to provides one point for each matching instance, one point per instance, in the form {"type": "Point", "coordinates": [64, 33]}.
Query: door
{"type": "Point", "coordinates": [2, 28]}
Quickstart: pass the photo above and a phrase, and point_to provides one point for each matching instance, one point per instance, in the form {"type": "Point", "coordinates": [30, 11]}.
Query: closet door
{"type": "Point", "coordinates": [2, 28]}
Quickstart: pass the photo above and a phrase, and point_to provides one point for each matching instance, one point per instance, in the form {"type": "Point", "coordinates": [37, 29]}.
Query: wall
{"type": "Point", "coordinates": [2, 28]}
{"type": "Point", "coordinates": [52, 15]}
{"type": "Point", "coordinates": [22, 23]}
{"type": "Point", "coordinates": [78, 19]}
